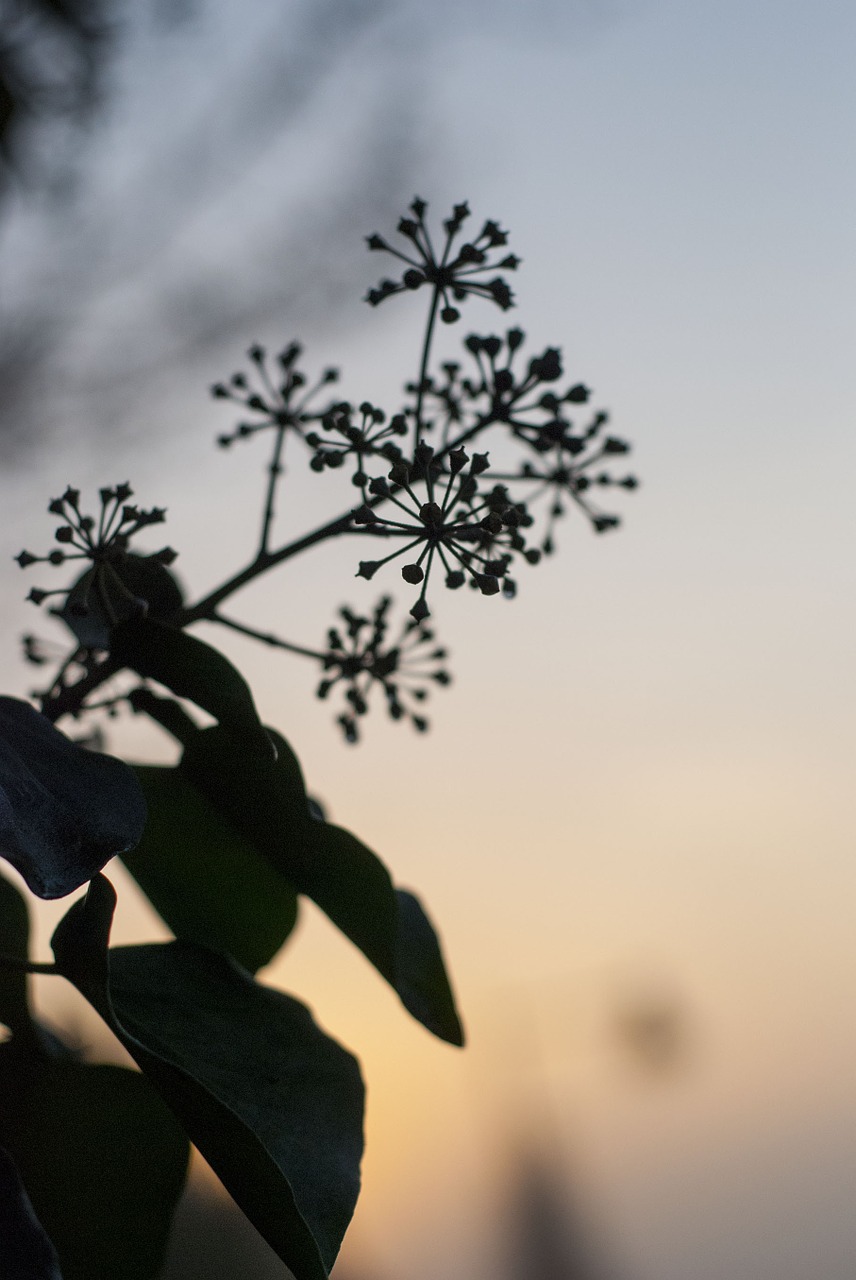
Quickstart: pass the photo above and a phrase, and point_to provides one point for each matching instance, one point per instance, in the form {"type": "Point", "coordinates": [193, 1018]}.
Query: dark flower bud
{"type": "Point", "coordinates": [407, 227]}
{"type": "Point", "coordinates": [504, 381]}
{"type": "Point", "coordinates": [400, 473]}
{"type": "Point", "coordinates": [514, 339]}
{"type": "Point", "coordinates": [492, 346]}
{"type": "Point", "coordinates": [602, 523]}
{"type": "Point", "coordinates": [629, 482]}
{"type": "Point", "coordinates": [510, 263]}
{"type": "Point", "coordinates": [420, 723]}
{"type": "Point", "coordinates": [578, 394]}
{"type": "Point", "coordinates": [469, 253]}
{"type": "Point", "coordinates": [431, 514]}
{"type": "Point", "coordinates": [449, 315]}
{"type": "Point", "coordinates": [496, 568]}
{"type": "Point", "coordinates": [613, 445]}
{"type": "Point", "coordinates": [454, 579]}
{"type": "Point", "coordinates": [316, 462]}
{"type": "Point", "coordinates": [334, 459]}
{"type": "Point", "coordinates": [219, 392]}
{"type": "Point", "coordinates": [492, 523]}
{"type": "Point", "coordinates": [420, 610]}
{"type": "Point", "coordinates": [479, 464]}
{"type": "Point", "coordinates": [418, 206]}
{"type": "Point", "coordinates": [368, 569]}
{"type": "Point", "coordinates": [25, 558]}
{"type": "Point", "coordinates": [57, 507]}
{"type": "Point", "coordinates": [364, 515]}
{"type": "Point", "coordinates": [458, 459]}
{"type": "Point", "coordinates": [547, 367]}
{"type": "Point", "coordinates": [413, 278]}
{"type": "Point", "coordinates": [533, 555]}
{"type": "Point", "coordinates": [473, 343]}
{"type": "Point", "coordinates": [398, 423]}
{"type": "Point", "coordinates": [57, 557]}
{"type": "Point", "coordinates": [412, 573]}
{"type": "Point", "coordinates": [359, 479]}
{"type": "Point", "coordinates": [257, 353]}
{"type": "Point", "coordinates": [424, 453]}
{"type": "Point", "coordinates": [37, 596]}
{"type": "Point", "coordinates": [379, 487]}
{"type": "Point", "coordinates": [487, 584]}
{"type": "Point", "coordinates": [376, 242]}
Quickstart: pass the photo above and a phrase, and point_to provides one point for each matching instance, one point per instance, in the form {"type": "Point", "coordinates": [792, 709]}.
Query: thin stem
{"type": "Point", "coordinates": [426, 356]}
{"type": "Point", "coordinates": [265, 637]}
{"type": "Point", "coordinates": [274, 472]}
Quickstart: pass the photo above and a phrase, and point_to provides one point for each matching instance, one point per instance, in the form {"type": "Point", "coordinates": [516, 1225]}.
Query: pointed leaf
{"type": "Point", "coordinates": [208, 883]}
{"type": "Point", "coordinates": [64, 811]}
{"type": "Point", "coordinates": [192, 669]}
{"type": "Point", "coordinates": [353, 887]}
{"type": "Point", "coordinates": [103, 1159]}
{"type": "Point", "coordinates": [26, 1253]}
{"type": "Point", "coordinates": [422, 980]}
{"type": "Point", "coordinates": [272, 1103]}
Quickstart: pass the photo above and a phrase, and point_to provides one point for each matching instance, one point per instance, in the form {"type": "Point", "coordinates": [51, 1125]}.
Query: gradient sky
{"type": "Point", "coordinates": [639, 790]}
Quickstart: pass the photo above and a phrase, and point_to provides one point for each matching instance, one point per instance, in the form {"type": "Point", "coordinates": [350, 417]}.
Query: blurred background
{"type": "Point", "coordinates": [632, 818]}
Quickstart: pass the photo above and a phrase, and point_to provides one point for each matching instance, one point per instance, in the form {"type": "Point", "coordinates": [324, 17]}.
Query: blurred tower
{"type": "Point", "coordinates": [546, 1239]}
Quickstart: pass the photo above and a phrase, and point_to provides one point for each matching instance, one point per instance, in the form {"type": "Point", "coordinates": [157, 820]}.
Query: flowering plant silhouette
{"type": "Point", "coordinates": [462, 483]}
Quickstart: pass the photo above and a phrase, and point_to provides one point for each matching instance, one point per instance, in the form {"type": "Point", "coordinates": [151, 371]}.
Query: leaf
{"type": "Point", "coordinates": [267, 802]}
{"type": "Point", "coordinates": [272, 1103]}
{"type": "Point", "coordinates": [264, 799]}
{"type": "Point", "coordinates": [64, 811]}
{"type": "Point", "coordinates": [102, 1156]}
{"type": "Point", "coordinates": [422, 980]}
{"type": "Point", "coordinates": [353, 887]}
{"type": "Point", "coordinates": [14, 941]}
{"type": "Point", "coordinates": [208, 883]}
{"type": "Point", "coordinates": [26, 1253]}
{"type": "Point", "coordinates": [192, 669]}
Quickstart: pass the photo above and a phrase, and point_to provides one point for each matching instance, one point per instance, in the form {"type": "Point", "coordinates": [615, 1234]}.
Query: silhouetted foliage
{"type": "Point", "coordinates": [232, 840]}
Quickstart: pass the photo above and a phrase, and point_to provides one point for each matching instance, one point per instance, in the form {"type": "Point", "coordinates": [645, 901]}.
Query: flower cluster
{"type": "Point", "coordinates": [278, 400]}
{"type": "Point", "coordinates": [457, 271]}
{"type": "Point", "coordinates": [359, 657]}
{"type": "Point", "coordinates": [463, 479]}
{"type": "Point", "coordinates": [445, 518]}
{"type": "Point", "coordinates": [120, 583]}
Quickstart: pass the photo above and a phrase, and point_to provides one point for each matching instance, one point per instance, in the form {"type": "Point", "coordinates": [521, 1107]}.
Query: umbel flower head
{"type": "Point", "coordinates": [460, 268]}
{"type": "Point", "coordinates": [359, 657]}
{"type": "Point", "coordinates": [445, 518]}
{"type": "Point", "coordinates": [279, 399]}
{"type": "Point", "coordinates": [120, 583]}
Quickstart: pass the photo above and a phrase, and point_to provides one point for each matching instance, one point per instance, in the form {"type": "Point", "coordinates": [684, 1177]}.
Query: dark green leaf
{"type": "Point", "coordinates": [103, 1159]}
{"type": "Point", "coordinates": [14, 941]}
{"type": "Point", "coordinates": [264, 799]}
{"type": "Point", "coordinates": [353, 887]}
{"type": "Point", "coordinates": [272, 1103]}
{"type": "Point", "coordinates": [192, 669]}
{"type": "Point", "coordinates": [64, 811]}
{"type": "Point", "coordinates": [422, 980]}
{"type": "Point", "coordinates": [207, 882]}
{"type": "Point", "coordinates": [26, 1253]}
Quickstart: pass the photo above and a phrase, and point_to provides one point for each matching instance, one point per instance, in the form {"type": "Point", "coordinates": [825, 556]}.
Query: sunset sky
{"type": "Point", "coordinates": [637, 794]}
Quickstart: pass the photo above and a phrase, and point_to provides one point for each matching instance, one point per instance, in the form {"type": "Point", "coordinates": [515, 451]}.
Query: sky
{"type": "Point", "coordinates": [636, 794]}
